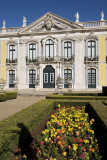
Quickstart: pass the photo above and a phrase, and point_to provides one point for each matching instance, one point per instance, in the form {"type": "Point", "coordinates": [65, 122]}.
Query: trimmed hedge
{"type": "Point", "coordinates": [31, 117]}
{"type": "Point", "coordinates": [8, 96]}
{"type": "Point", "coordinates": [53, 96]}
{"type": "Point", "coordinates": [82, 94]}
{"type": "Point", "coordinates": [98, 111]}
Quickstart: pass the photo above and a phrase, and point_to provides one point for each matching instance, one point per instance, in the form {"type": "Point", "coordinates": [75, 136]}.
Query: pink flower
{"type": "Point", "coordinates": [80, 144]}
{"type": "Point", "coordinates": [82, 156]}
{"type": "Point", "coordinates": [87, 136]}
{"type": "Point", "coordinates": [84, 149]}
{"type": "Point", "coordinates": [93, 120]}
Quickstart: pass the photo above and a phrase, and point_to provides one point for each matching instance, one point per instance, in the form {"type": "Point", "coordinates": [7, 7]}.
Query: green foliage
{"type": "Point", "coordinates": [82, 94]}
{"type": "Point", "coordinates": [55, 96]}
{"type": "Point", "coordinates": [8, 96]}
{"type": "Point", "coordinates": [31, 117]}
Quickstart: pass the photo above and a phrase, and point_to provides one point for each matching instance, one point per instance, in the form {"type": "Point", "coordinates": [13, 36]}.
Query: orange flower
{"type": "Point", "coordinates": [59, 142]}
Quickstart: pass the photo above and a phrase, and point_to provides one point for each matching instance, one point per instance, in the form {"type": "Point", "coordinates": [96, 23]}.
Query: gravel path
{"type": "Point", "coordinates": [10, 107]}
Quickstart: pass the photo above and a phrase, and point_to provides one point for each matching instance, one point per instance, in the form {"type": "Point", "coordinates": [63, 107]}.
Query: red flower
{"type": "Point", "coordinates": [42, 143]}
{"type": "Point", "coordinates": [80, 140]}
{"type": "Point", "coordinates": [75, 139]}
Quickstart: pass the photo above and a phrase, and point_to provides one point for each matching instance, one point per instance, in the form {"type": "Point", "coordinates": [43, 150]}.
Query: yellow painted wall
{"type": "Point", "coordinates": [3, 60]}
{"type": "Point", "coordinates": [102, 64]}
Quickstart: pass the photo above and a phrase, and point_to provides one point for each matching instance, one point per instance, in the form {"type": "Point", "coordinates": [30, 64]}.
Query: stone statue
{"type": "Point", "coordinates": [48, 22]}
{"type": "Point", "coordinates": [102, 16]}
{"type": "Point", "coordinates": [24, 21]}
{"type": "Point", "coordinates": [77, 17]}
{"type": "Point", "coordinates": [4, 24]}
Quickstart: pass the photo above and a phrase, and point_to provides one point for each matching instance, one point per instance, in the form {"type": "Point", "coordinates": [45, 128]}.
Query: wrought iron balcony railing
{"type": "Point", "coordinates": [49, 59]}
{"type": "Point", "coordinates": [8, 61]}
{"type": "Point", "coordinates": [91, 59]}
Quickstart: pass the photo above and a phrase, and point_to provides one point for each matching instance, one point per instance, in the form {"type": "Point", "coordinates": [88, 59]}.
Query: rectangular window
{"type": "Point", "coordinates": [51, 77]}
{"type": "Point", "coordinates": [45, 77]}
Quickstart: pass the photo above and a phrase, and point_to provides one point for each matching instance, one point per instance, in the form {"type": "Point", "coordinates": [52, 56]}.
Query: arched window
{"type": "Point", "coordinates": [12, 52]}
{"type": "Point", "coordinates": [49, 49]}
{"type": "Point", "coordinates": [32, 51]}
{"type": "Point", "coordinates": [67, 49]}
{"type": "Point", "coordinates": [91, 49]}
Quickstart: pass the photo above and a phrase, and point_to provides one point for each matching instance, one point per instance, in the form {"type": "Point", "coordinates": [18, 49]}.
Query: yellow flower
{"type": "Point", "coordinates": [58, 105]}
{"type": "Point", "coordinates": [75, 146]}
{"type": "Point", "coordinates": [24, 156]}
{"type": "Point", "coordinates": [86, 141]}
{"type": "Point", "coordinates": [64, 153]}
{"type": "Point", "coordinates": [46, 139]}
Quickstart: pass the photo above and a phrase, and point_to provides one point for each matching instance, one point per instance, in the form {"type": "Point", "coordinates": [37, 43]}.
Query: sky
{"type": "Point", "coordinates": [12, 11]}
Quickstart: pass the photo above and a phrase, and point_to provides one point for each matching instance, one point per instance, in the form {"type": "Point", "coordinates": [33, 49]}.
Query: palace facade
{"type": "Point", "coordinates": [35, 55]}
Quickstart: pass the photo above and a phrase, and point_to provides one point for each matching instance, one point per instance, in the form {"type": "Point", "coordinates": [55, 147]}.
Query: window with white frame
{"type": "Point", "coordinates": [91, 49]}
{"type": "Point", "coordinates": [49, 48]}
{"type": "Point", "coordinates": [51, 77]}
{"type": "Point", "coordinates": [45, 77]}
{"type": "Point", "coordinates": [32, 51]}
{"type": "Point", "coordinates": [67, 49]}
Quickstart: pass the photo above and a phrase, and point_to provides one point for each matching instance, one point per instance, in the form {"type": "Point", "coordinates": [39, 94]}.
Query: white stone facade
{"type": "Point", "coordinates": [62, 59]}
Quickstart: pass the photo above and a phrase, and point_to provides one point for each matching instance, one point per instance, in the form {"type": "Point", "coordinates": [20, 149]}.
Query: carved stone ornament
{"type": "Point", "coordinates": [78, 39]}
{"type": "Point", "coordinates": [68, 38]}
{"type": "Point", "coordinates": [48, 37]}
{"type": "Point", "coordinates": [91, 36]}
{"type": "Point", "coordinates": [31, 41]}
{"type": "Point", "coordinates": [32, 66]}
{"type": "Point", "coordinates": [11, 67]}
{"type": "Point", "coordinates": [92, 64]}
{"type": "Point", "coordinates": [67, 65]}
{"type": "Point", "coordinates": [11, 41]}
{"type": "Point", "coordinates": [48, 24]}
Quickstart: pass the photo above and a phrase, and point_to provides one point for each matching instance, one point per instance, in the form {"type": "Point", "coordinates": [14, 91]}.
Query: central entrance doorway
{"type": "Point", "coordinates": [49, 77]}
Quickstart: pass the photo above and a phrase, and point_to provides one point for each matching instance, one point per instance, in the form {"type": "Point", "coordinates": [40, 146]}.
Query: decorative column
{"type": "Point", "coordinates": [55, 44]}
{"type": "Point", "coordinates": [43, 43]}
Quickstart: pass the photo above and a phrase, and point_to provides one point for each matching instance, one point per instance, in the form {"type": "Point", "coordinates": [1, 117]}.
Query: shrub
{"type": "Point", "coordinates": [8, 96]}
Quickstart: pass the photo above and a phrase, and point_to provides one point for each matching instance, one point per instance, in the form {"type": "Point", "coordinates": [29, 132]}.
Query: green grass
{"type": "Point", "coordinates": [31, 117]}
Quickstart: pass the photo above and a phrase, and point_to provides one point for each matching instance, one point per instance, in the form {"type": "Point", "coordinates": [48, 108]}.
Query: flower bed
{"type": "Point", "coordinates": [69, 136]}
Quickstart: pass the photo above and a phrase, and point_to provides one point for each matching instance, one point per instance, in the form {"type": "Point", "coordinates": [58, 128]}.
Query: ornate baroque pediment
{"type": "Point", "coordinates": [68, 38]}
{"type": "Point", "coordinates": [92, 64]}
{"type": "Point", "coordinates": [11, 41]}
{"type": "Point", "coordinates": [50, 22]}
{"type": "Point", "coordinates": [91, 36]}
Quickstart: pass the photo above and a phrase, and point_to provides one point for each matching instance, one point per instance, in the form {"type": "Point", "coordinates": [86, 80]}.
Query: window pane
{"type": "Point", "coordinates": [89, 52]}
{"type": "Point", "coordinates": [51, 50]}
{"type": "Point", "coordinates": [45, 77]}
{"type": "Point", "coordinates": [51, 77]}
{"type": "Point", "coordinates": [69, 44]}
{"type": "Point", "coordinates": [47, 42]}
{"type": "Point", "coordinates": [93, 43]}
{"type": "Point", "coordinates": [65, 44]}
{"type": "Point", "coordinates": [69, 52]}
{"type": "Point", "coordinates": [89, 43]}
{"type": "Point", "coordinates": [47, 51]}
